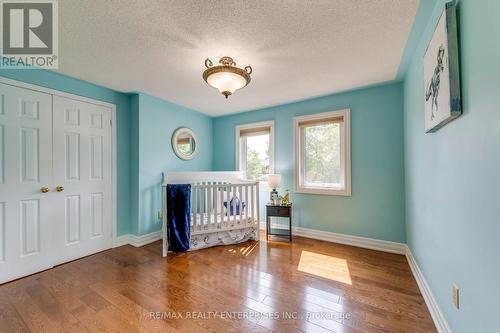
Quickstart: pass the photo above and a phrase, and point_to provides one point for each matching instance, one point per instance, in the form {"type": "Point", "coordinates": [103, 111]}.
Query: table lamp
{"type": "Point", "coordinates": [274, 181]}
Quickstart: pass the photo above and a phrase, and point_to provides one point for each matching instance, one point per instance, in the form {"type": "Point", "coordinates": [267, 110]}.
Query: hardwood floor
{"type": "Point", "coordinates": [308, 286]}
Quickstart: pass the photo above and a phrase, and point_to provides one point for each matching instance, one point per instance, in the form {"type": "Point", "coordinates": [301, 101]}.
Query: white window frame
{"type": "Point", "coordinates": [345, 140]}
{"type": "Point", "coordinates": [239, 128]}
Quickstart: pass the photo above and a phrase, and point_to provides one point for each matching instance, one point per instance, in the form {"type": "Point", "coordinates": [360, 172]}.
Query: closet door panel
{"type": "Point", "coordinates": [82, 167]}
{"type": "Point", "coordinates": [26, 213]}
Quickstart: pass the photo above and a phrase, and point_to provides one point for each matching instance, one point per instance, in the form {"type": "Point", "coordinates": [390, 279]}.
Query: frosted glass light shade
{"type": "Point", "coordinates": [274, 181]}
{"type": "Point", "coordinates": [226, 81]}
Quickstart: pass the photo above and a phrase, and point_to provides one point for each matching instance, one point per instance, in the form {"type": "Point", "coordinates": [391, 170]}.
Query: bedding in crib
{"type": "Point", "coordinates": [225, 237]}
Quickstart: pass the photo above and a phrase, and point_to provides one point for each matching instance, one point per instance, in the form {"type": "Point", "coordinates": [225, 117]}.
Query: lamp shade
{"type": "Point", "coordinates": [274, 181]}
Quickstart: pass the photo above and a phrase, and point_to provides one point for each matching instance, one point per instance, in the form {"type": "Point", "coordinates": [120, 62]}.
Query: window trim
{"type": "Point", "coordinates": [346, 138]}
{"type": "Point", "coordinates": [241, 127]}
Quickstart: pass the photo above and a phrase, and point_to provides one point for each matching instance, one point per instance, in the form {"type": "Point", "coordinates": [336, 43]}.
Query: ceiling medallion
{"type": "Point", "coordinates": [226, 77]}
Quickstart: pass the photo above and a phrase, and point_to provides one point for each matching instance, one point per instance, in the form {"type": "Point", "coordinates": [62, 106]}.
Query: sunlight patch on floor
{"type": "Point", "coordinates": [246, 250]}
{"type": "Point", "coordinates": [327, 267]}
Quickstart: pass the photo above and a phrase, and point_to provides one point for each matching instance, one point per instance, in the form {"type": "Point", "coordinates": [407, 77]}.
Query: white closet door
{"type": "Point", "coordinates": [82, 167]}
{"type": "Point", "coordinates": [27, 215]}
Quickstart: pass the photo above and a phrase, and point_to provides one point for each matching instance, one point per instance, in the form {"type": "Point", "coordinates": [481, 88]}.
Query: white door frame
{"type": "Point", "coordinates": [114, 143]}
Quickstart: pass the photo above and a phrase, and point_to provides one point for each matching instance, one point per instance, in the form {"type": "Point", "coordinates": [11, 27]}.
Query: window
{"type": "Point", "coordinates": [185, 143]}
{"type": "Point", "coordinates": [255, 150]}
{"type": "Point", "coordinates": [323, 154]}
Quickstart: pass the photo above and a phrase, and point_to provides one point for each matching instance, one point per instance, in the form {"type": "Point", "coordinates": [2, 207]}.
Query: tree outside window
{"type": "Point", "coordinates": [255, 150]}
{"type": "Point", "coordinates": [322, 155]}
{"type": "Point", "coordinates": [257, 157]}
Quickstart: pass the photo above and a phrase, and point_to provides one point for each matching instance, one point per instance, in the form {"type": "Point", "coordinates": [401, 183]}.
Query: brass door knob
{"type": "Point", "coordinates": [45, 189]}
{"type": "Point", "coordinates": [59, 188]}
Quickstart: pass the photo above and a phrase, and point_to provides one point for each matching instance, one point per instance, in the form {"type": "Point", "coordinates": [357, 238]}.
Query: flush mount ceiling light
{"type": "Point", "coordinates": [226, 77]}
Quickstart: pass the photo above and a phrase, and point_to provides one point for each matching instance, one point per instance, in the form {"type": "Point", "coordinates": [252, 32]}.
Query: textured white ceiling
{"type": "Point", "coordinates": [298, 49]}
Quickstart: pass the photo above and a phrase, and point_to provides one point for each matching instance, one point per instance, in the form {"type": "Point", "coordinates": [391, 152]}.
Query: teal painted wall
{"type": "Point", "coordinates": [67, 84]}
{"type": "Point", "coordinates": [134, 164]}
{"type": "Point", "coordinates": [376, 208]}
{"type": "Point", "coordinates": [452, 176]}
{"type": "Point", "coordinates": [157, 120]}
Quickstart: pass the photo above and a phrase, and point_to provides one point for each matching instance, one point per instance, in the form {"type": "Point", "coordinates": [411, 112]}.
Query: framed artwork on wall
{"type": "Point", "coordinates": [442, 98]}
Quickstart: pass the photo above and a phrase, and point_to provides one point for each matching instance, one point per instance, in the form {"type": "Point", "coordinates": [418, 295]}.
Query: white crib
{"type": "Point", "coordinates": [213, 220]}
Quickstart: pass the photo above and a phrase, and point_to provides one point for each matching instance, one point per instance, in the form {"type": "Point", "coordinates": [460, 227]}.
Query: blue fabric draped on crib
{"type": "Point", "coordinates": [178, 216]}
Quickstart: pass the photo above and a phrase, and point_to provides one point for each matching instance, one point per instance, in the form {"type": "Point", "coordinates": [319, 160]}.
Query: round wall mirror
{"type": "Point", "coordinates": [185, 143]}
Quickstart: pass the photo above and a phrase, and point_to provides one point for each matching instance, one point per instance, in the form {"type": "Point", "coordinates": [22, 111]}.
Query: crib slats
{"type": "Point", "coordinates": [240, 207]}
{"type": "Point", "coordinates": [246, 203]}
{"type": "Point", "coordinates": [202, 207]}
{"type": "Point", "coordinates": [194, 203]}
{"type": "Point", "coordinates": [232, 201]}
{"type": "Point", "coordinates": [213, 206]}
{"type": "Point", "coordinates": [257, 205]}
{"type": "Point", "coordinates": [222, 213]}
{"type": "Point", "coordinates": [229, 193]}
{"type": "Point", "coordinates": [209, 206]}
{"type": "Point", "coordinates": [252, 211]}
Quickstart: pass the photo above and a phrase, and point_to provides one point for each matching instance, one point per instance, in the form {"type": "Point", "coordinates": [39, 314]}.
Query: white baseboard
{"type": "Point", "coordinates": [121, 240]}
{"type": "Point", "coordinates": [425, 290]}
{"type": "Point", "coordinates": [137, 241]}
{"type": "Point", "coordinates": [367, 243]}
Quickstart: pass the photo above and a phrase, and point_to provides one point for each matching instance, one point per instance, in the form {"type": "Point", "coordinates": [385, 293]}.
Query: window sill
{"type": "Point", "coordinates": [324, 191]}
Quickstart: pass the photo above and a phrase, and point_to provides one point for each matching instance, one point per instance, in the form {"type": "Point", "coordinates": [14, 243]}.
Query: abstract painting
{"type": "Point", "coordinates": [442, 97]}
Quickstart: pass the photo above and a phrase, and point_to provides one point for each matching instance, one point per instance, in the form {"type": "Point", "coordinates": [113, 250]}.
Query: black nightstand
{"type": "Point", "coordinates": [278, 211]}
